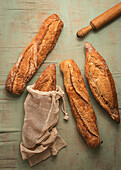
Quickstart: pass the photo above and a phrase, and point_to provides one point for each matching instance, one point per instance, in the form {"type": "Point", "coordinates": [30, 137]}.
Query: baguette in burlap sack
{"type": "Point", "coordinates": [40, 136]}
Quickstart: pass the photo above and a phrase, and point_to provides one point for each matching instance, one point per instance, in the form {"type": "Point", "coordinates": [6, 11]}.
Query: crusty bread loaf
{"type": "Point", "coordinates": [101, 81]}
{"type": "Point", "coordinates": [80, 103]}
{"type": "Point", "coordinates": [47, 80]}
{"type": "Point", "coordinates": [34, 54]}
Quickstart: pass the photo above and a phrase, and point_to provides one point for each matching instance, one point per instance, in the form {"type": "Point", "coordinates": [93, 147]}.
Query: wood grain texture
{"type": "Point", "coordinates": [20, 20]}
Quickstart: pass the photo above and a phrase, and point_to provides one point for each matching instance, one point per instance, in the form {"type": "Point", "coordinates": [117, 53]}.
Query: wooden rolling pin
{"type": "Point", "coordinates": [101, 20]}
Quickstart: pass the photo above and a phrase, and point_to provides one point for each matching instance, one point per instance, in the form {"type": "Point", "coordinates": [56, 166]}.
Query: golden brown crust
{"type": "Point", "coordinates": [47, 80]}
{"type": "Point", "coordinates": [34, 54]}
{"type": "Point", "coordinates": [80, 103]}
{"type": "Point", "coordinates": [101, 81]}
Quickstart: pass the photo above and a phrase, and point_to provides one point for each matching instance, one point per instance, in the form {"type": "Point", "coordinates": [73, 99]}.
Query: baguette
{"type": "Point", "coordinates": [101, 81]}
{"type": "Point", "coordinates": [47, 80]}
{"type": "Point", "coordinates": [34, 54]}
{"type": "Point", "coordinates": [80, 103]}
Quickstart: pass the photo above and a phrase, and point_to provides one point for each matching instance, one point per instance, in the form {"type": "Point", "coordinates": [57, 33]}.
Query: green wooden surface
{"type": "Point", "coordinates": [20, 20]}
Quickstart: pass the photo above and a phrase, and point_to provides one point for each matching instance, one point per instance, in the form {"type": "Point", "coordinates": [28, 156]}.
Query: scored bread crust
{"type": "Point", "coordinates": [101, 81]}
{"type": "Point", "coordinates": [47, 80]}
{"type": "Point", "coordinates": [34, 54]}
{"type": "Point", "coordinates": [80, 103]}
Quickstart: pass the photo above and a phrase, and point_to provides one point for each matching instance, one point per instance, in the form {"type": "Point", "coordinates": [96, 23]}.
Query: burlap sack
{"type": "Point", "coordinates": [40, 137]}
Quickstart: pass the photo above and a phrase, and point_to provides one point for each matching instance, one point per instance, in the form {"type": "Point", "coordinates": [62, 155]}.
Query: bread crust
{"type": "Point", "coordinates": [47, 80]}
{"type": "Point", "coordinates": [80, 103]}
{"type": "Point", "coordinates": [34, 54]}
{"type": "Point", "coordinates": [101, 81]}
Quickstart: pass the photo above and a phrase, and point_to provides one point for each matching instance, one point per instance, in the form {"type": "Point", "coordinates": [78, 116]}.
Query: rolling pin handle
{"type": "Point", "coordinates": [82, 32]}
